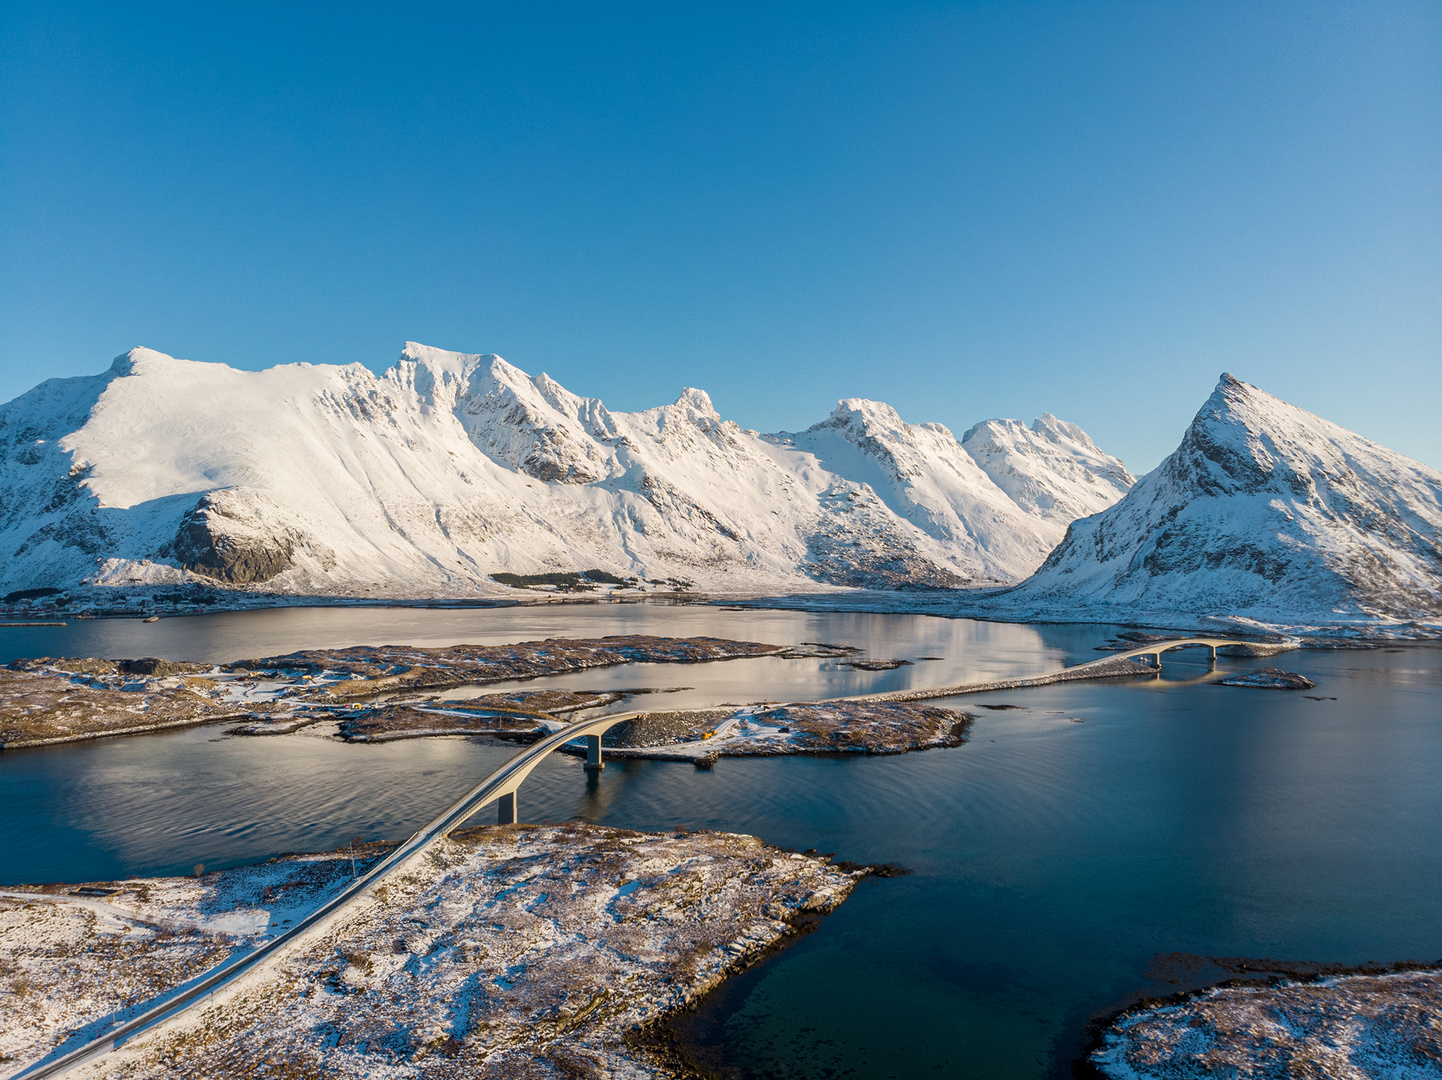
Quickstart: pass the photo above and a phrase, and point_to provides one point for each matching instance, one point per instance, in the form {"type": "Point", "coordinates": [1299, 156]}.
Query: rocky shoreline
{"type": "Point", "coordinates": [47, 700]}
{"type": "Point", "coordinates": [1360, 1023]}
{"type": "Point", "coordinates": [525, 951]}
{"type": "Point", "coordinates": [384, 693]}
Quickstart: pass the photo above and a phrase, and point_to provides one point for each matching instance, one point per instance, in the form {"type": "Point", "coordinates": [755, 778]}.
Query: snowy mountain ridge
{"type": "Point", "coordinates": [1264, 514]}
{"type": "Point", "coordinates": [448, 467]}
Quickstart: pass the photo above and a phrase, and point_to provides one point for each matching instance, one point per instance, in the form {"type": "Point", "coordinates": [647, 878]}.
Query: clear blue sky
{"type": "Point", "coordinates": [966, 210]}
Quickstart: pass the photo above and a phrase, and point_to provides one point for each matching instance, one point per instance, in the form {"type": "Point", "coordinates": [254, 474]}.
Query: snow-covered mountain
{"type": "Point", "coordinates": [1265, 512]}
{"type": "Point", "coordinates": [449, 467]}
{"type": "Point", "coordinates": [1052, 469]}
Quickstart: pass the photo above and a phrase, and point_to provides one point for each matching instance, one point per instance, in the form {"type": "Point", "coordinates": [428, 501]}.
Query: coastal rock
{"type": "Point", "coordinates": [366, 670]}
{"type": "Point", "coordinates": [39, 706]}
{"type": "Point", "coordinates": [1353, 1026]}
{"type": "Point", "coordinates": [825, 727]}
{"type": "Point", "coordinates": [53, 700]}
{"type": "Point", "coordinates": [154, 666]}
{"type": "Point", "coordinates": [1269, 678]}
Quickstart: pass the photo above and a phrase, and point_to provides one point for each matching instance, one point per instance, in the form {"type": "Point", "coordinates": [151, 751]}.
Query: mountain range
{"type": "Point", "coordinates": [449, 468]}
{"type": "Point", "coordinates": [449, 471]}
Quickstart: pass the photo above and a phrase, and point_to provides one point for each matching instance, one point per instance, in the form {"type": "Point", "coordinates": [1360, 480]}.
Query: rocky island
{"type": "Point", "coordinates": [1347, 1026]}
{"type": "Point", "coordinates": [54, 700]}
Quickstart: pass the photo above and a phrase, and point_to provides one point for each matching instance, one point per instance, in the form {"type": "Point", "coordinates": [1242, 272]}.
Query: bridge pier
{"type": "Point", "coordinates": [593, 754]}
{"type": "Point", "coordinates": [506, 809]}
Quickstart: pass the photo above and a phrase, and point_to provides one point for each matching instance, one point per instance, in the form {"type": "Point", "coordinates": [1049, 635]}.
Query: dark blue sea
{"type": "Point", "coordinates": [1081, 837]}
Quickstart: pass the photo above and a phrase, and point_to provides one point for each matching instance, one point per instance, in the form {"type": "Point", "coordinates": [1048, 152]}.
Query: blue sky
{"type": "Point", "coordinates": [966, 210]}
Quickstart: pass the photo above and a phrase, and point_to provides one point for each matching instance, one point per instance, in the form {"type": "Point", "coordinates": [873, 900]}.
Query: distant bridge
{"type": "Point", "coordinates": [1116, 665]}
{"type": "Point", "coordinates": [1156, 648]}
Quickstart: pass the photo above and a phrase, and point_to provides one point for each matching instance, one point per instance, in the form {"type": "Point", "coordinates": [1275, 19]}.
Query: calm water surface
{"type": "Point", "coordinates": [1052, 859]}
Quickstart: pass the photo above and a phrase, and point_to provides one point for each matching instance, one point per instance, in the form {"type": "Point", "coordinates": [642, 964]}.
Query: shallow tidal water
{"type": "Point", "coordinates": [1052, 861]}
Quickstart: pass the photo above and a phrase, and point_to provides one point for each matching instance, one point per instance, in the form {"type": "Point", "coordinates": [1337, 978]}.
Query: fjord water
{"type": "Point", "coordinates": [1052, 861]}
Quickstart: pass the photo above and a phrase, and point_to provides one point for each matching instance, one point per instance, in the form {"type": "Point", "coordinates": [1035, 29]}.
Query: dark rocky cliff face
{"type": "Point", "coordinates": [218, 541]}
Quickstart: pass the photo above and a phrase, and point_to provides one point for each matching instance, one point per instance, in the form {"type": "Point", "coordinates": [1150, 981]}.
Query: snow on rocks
{"type": "Point", "coordinates": [44, 703]}
{"type": "Point", "coordinates": [828, 727]}
{"type": "Point", "coordinates": [1355, 1027]}
{"type": "Point", "coordinates": [365, 670]}
{"type": "Point", "coordinates": [531, 951]}
{"type": "Point", "coordinates": [76, 961]}
{"type": "Point", "coordinates": [1051, 469]}
{"type": "Point", "coordinates": [424, 481]}
{"type": "Point", "coordinates": [1269, 678]}
{"type": "Point", "coordinates": [51, 700]}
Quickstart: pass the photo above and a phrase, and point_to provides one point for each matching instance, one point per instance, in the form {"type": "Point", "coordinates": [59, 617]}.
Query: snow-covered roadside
{"type": "Point", "coordinates": [75, 961]}
{"type": "Point", "coordinates": [509, 950]}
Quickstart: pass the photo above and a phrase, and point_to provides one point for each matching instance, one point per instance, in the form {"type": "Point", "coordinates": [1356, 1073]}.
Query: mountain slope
{"type": "Point", "coordinates": [1263, 512]}
{"type": "Point", "coordinates": [449, 467]}
{"type": "Point", "coordinates": [1052, 469]}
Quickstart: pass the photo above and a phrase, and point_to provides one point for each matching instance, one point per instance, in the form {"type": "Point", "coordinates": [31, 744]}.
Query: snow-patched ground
{"type": "Point", "coordinates": [74, 961]}
{"type": "Point", "coordinates": [448, 467]}
{"type": "Point", "coordinates": [1358, 1027]}
{"type": "Point", "coordinates": [49, 700]}
{"type": "Point", "coordinates": [516, 951]}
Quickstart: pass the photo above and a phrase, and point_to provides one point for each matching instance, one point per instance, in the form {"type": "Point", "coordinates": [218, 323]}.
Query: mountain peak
{"type": "Point", "coordinates": [127, 362]}
{"type": "Point", "coordinates": [1232, 394]}
{"type": "Point", "coordinates": [864, 413]}
{"type": "Point", "coordinates": [698, 400]}
{"type": "Point", "coordinates": [1265, 511]}
{"type": "Point", "coordinates": [1052, 468]}
{"type": "Point", "coordinates": [1058, 431]}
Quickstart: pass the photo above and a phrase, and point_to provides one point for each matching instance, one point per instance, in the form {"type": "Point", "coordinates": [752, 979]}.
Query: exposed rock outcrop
{"type": "Point", "coordinates": [1269, 678]}
{"type": "Point", "coordinates": [228, 537]}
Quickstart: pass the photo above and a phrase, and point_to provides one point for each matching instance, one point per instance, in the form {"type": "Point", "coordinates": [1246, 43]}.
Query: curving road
{"type": "Point", "coordinates": [498, 787]}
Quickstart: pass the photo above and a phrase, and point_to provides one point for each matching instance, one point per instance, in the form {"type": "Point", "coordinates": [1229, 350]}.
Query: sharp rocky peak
{"type": "Point", "coordinates": [698, 400]}
{"type": "Point", "coordinates": [865, 412]}
{"type": "Point", "coordinates": [1266, 511]}
{"type": "Point", "coordinates": [1060, 431]}
{"type": "Point", "coordinates": [1244, 439]}
{"type": "Point", "coordinates": [872, 425]}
